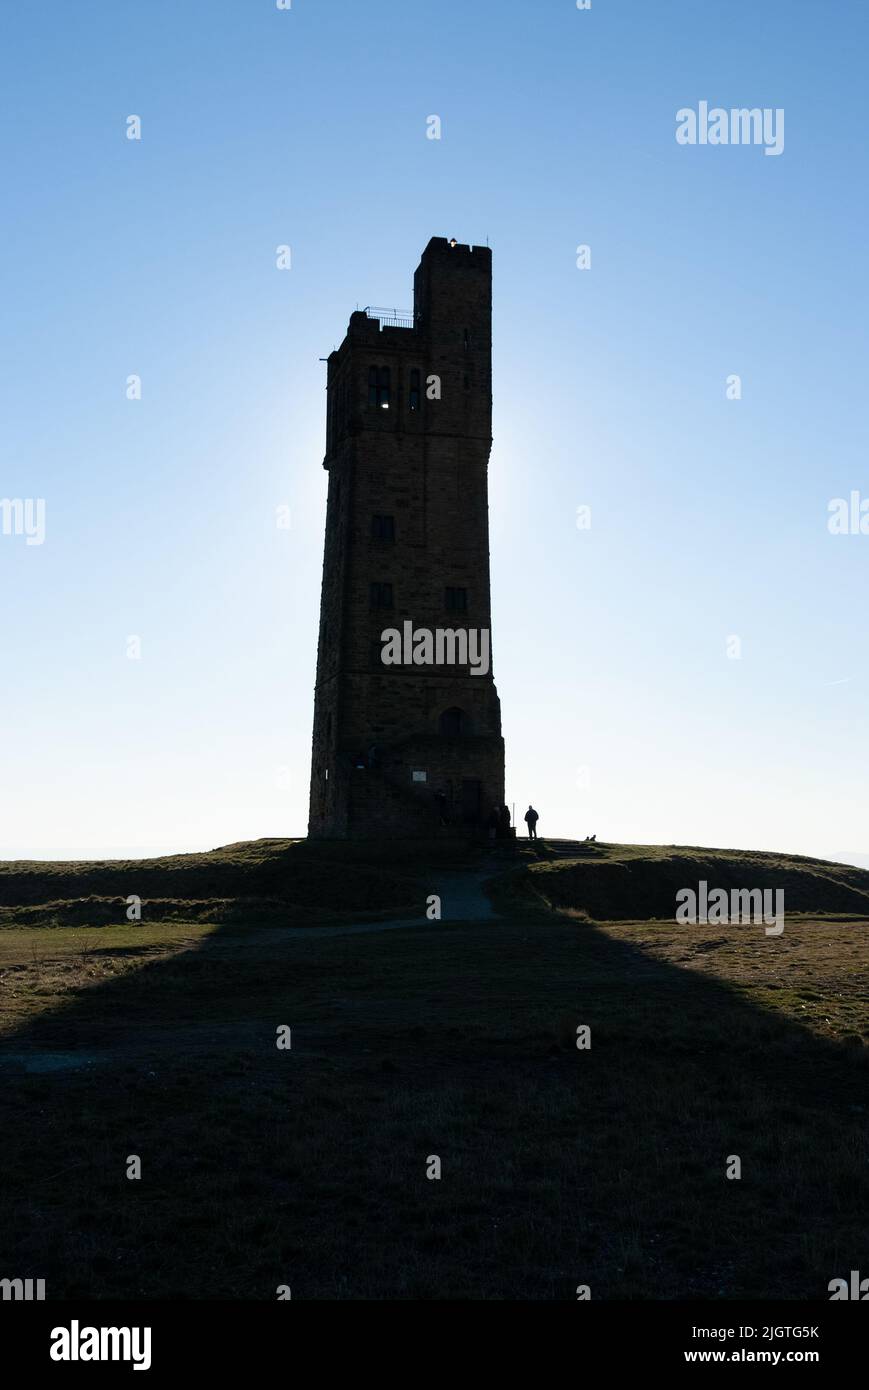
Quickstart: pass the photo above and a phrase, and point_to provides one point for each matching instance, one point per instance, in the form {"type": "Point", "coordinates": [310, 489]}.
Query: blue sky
{"type": "Point", "coordinates": [623, 714]}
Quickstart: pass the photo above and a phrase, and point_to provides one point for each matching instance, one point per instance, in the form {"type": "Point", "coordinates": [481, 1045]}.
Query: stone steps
{"type": "Point", "coordinates": [565, 849]}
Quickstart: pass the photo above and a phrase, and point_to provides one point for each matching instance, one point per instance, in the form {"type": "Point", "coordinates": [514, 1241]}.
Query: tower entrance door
{"type": "Point", "coordinates": [471, 797]}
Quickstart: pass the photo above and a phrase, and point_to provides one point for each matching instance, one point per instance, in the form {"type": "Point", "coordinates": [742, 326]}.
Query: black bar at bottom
{"type": "Point", "coordinates": [210, 1336]}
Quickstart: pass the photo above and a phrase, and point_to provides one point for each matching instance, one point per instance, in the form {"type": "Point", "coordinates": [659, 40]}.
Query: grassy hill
{"type": "Point", "coordinates": [638, 882]}
{"type": "Point", "coordinates": [307, 1167]}
{"type": "Point", "coordinates": [289, 882]}
{"type": "Point", "coordinates": [297, 882]}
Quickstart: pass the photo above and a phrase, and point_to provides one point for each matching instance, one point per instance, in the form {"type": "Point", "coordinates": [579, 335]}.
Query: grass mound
{"type": "Point", "coordinates": [639, 882]}
{"type": "Point", "coordinates": [294, 882]}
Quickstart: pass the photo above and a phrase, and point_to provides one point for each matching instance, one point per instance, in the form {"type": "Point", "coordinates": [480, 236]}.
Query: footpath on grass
{"type": "Point", "coordinates": [462, 900]}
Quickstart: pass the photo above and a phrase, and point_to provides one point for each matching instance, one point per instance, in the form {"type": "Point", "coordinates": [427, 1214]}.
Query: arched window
{"type": "Point", "coordinates": [454, 722]}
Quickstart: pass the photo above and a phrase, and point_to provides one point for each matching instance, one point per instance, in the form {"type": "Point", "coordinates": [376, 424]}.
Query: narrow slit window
{"type": "Point", "coordinates": [456, 600]}
{"type": "Point", "coordinates": [335, 505]}
{"type": "Point", "coordinates": [372, 385]}
{"type": "Point", "coordinates": [414, 388]}
{"type": "Point", "coordinates": [381, 594]}
{"type": "Point", "coordinates": [383, 388]}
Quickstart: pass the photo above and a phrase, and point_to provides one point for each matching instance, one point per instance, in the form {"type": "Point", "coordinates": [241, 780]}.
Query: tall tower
{"type": "Point", "coordinates": [411, 748]}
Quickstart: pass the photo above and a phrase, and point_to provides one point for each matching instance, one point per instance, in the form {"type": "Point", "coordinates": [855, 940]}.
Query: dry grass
{"type": "Point", "coordinates": [307, 1167]}
{"type": "Point", "coordinates": [620, 882]}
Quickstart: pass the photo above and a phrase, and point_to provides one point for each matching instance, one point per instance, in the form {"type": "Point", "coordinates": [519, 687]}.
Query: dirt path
{"type": "Point", "coordinates": [462, 900]}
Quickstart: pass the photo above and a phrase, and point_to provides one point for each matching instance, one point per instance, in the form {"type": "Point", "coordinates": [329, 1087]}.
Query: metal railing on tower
{"type": "Point", "coordinates": [392, 318]}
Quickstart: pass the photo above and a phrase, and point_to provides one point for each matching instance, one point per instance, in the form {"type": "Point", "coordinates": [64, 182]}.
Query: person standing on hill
{"type": "Point", "coordinates": [531, 819]}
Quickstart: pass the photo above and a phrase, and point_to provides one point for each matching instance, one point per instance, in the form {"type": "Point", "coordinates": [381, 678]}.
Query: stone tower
{"type": "Point", "coordinates": [413, 748]}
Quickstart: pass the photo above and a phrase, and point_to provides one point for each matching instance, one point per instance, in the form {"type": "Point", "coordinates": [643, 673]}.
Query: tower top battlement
{"type": "Point", "coordinates": [458, 251]}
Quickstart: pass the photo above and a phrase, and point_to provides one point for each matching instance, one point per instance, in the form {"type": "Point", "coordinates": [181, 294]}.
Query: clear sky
{"type": "Point", "coordinates": [623, 714]}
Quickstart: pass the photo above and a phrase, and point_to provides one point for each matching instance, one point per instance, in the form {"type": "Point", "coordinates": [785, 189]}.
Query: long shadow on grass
{"type": "Point", "coordinates": [307, 1166]}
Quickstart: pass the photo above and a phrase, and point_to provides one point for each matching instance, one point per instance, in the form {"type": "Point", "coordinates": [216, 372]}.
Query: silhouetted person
{"type": "Point", "coordinates": [531, 819]}
{"type": "Point", "coordinates": [504, 823]}
{"type": "Point", "coordinates": [494, 823]}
